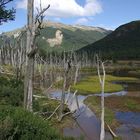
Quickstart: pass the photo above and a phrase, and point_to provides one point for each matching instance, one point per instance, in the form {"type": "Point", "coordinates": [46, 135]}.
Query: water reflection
{"type": "Point", "coordinates": [88, 126]}
{"type": "Point", "coordinates": [129, 118]}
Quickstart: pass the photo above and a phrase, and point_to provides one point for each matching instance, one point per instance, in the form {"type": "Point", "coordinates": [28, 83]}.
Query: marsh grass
{"type": "Point", "coordinates": [113, 104]}
{"type": "Point", "coordinates": [90, 85]}
{"type": "Point", "coordinates": [94, 104]}
{"type": "Point", "coordinates": [123, 103]}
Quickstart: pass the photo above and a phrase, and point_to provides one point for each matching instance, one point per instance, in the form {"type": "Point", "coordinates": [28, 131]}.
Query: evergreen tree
{"type": "Point", "coordinates": [6, 14]}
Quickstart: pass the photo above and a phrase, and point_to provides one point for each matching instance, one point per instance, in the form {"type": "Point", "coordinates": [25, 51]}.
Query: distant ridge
{"type": "Point", "coordinates": [123, 43]}
{"type": "Point", "coordinates": [75, 36]}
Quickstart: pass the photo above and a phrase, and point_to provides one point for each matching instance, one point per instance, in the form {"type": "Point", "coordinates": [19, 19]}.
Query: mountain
{"type": "Point", "coordinates": [123, 43]}
{"type": "Point", "coordinates": [74, 36]}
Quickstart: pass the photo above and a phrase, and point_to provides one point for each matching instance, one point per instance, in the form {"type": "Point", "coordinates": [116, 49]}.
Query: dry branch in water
{"type": "Point", "coordinates": [111, 131]}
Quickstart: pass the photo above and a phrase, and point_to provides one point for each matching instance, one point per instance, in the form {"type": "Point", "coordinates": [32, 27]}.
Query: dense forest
{"type": "Point", "coordinates": [121, 44]}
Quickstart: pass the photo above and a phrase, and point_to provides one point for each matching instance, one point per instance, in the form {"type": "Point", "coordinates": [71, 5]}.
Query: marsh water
{"type": "Point", "coordinates": [87, 125]}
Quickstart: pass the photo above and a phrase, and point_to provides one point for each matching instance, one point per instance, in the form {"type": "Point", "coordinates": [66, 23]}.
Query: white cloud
{"type": "Point", "coordinates": [57, 19]}
{"type": "Point", "coordinates": [111, 27]}
{"type": "Point", "coordinates": [22, 4]}
{"type": "Point", "coordinates": [66, 8]}
{"type": "Point", "coordinates": [82, 21]}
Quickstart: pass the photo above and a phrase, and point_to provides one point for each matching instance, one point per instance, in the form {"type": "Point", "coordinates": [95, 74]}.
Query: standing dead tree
{"type": "Point", "coordinates": [12, 52]}
{"type": "Point", "coordinates": [100, 65]}
{"type": "Point", "coordinates": [101, 69]}
{"type": "Point", "coordinates": [67, 67]}
{"type": "Point", "coordinates": [69, 98]}
{"type": "Point", "coordinates": [77, 67]}
{"type": "Point", "coordinates": [19, 58]}
{"type": "Point", "coordinates": [34, 25]}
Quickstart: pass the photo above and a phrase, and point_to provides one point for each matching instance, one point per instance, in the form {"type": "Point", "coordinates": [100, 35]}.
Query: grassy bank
{"type": "Point", "coordinates": [94, 104]}
{"type": "Point", "coordinates": [91, 84]}
{"type": "Point", "coordinates": [113, 104]}
{"type": "Point", "coordinates": [123, 103]}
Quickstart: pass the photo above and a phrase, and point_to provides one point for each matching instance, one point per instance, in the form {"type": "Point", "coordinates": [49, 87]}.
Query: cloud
{"type": "Point", "coordinates": [57, 19]}
{"type": "Point", "coordinates": [110, 27]}
{"type": "Point", "coordinates": [66, 8]}
{"type": "Point", "coordinates": [82, 21]}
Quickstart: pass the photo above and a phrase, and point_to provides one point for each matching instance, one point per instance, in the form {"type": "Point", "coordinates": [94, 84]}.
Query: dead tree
{"type": "Point", "coordinates": [67, 67]}
{"type": "Point", "coordinates": [77, 67]}
{"type": "Point", "coordinates": [12, 52]}
{"type": "Point", "coordinates": [34, 25]}
{"type": "Point", "coordinates": [100, 65]}
{"type": "Point", "coordinates": [19, 57]}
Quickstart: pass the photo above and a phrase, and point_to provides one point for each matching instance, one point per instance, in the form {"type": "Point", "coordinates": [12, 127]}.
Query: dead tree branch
{"type": "Point", "coordinates": [111, 131]}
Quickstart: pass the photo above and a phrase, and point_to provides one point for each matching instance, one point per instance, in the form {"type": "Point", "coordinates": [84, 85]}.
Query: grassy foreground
{"type": "Point", "coordinates": [17, 123]}
{"type": "Point", "coordinates": [91, 84]}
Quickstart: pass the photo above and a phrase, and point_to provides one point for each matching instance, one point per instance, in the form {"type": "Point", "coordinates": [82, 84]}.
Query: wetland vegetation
{"type": "Point", "coordinates": [68, 82]}
{"type": "Point", "coordinates": [91, 85]}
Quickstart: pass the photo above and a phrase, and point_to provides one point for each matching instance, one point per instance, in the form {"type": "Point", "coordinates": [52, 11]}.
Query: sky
{"type": "Point", "coordinates": [108, 14]}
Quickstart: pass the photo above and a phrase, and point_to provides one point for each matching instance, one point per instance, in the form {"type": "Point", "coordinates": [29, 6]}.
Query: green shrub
{"type": "Point", "coordinates": [18, 124]}
{"type": "Point", "coordinates": [11, 91]}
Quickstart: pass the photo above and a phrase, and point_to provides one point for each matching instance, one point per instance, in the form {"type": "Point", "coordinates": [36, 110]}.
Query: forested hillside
{"type": "Point", "coordinates": [74, 37]}
{"type": "Point", "coordinates": [123, 43]}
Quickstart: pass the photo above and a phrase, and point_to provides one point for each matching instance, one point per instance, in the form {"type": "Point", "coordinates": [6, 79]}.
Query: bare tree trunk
{"type": "Point", "coordinates": [33, 29]}
{"type": "Point", "coordinates": [28, 85]}
{"type": "Point", "coordinates": [77, 66]}
{"type": "Point", "coordinates": [67, 67]}
{"type": "Point", "coordinates": [102, 83]}
{"type": "Point", "coordinates": [102, 135]}
{"type": "Point", "coordinates": [63, 97]}
{"type": "Point", "coordinates": [76, 73]}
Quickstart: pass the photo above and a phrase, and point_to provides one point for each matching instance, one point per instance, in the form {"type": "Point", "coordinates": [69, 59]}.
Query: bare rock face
{"type": "Point", "coordinates": [57, 41]}
{"type": "Point", "coordinates": [17, 34]}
